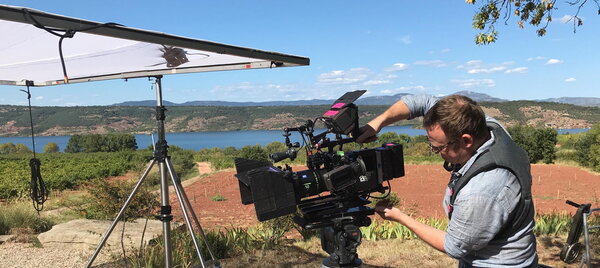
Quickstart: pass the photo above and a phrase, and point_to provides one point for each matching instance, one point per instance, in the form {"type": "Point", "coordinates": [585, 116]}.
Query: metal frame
{"type": "Point", "coordinates": [165, 167]}
{"type": "Point", "coordinates": [587, 257]}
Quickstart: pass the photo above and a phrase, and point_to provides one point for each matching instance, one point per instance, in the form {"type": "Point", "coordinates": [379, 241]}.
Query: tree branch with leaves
{"type": "Point", "coordinates": [534, 12]}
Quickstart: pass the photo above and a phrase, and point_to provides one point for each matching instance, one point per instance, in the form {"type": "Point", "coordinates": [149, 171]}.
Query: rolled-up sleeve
{"type": "Point", "coordinates": [418, 105]}
{"type": "Point", "coordinates": [480, 212]}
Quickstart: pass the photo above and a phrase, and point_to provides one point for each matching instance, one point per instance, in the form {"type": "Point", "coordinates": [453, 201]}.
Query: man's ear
{"type": "Point", "coordinates": [468, 140]}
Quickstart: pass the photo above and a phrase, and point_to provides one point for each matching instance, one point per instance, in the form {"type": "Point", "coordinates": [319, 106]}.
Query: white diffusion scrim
{"type": "Point", "coordinates": [31, 53]}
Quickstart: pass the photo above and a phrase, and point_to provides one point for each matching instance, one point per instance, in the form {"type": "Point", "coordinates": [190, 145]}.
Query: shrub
{"type": "Point", "coordinates": [255, 152]}
{"type": "Point", "coordinates": [182, 160]}
{"type": "Point", "coordinates": [218, 198]}
{"type": "Point", "coordinates": [588, 148]}
{"type": "Point", "coordinates": [51, 147]}
{"type": "Point", "coordinates": [222, 162]}
{"type": "Point", "coordinates": [107, 198]}
{"type": "Point", "coordinates": [418, 149]}
{"type": "Point", "coordinates": [393, 137]}
{"type": "Point", "coordinates": [22, 215]}
{"type": "Point", "coordinates": [101, 143]}
{"type": "Point", "coordinates": [11, 148]}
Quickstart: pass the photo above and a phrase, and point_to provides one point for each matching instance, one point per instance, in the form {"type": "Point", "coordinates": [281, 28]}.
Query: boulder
{"type": "Point", "coordinates": [87, 234]}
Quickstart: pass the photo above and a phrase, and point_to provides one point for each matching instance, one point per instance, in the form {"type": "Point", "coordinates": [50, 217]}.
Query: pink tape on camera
{"type": "Point", "coordinates": [330, 113]}
{"type": "Point", "coordinates": [338, 105]}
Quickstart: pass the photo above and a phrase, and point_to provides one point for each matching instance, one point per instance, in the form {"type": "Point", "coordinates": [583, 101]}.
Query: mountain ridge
{"type": "Point", "coordinates": [368, 100]}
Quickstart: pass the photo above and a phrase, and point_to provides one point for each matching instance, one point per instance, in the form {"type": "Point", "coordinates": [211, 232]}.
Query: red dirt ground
{"type": "Point", "coordinates": [421, 192]}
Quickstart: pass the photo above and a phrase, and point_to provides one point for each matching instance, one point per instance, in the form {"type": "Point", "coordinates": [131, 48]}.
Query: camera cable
{"type": "Point", "coordinates": [38, 191]}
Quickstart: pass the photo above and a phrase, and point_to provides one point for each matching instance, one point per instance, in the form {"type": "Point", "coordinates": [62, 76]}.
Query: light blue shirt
{"type": "Point", "coordinates": [481, 209]}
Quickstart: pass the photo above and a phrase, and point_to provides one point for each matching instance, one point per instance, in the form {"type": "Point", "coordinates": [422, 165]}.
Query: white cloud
{"type": "Point", "coordinates": [403, 89]}
{"type": "Point", "coordinates": [405, 39]}
{"type": "Point", "coordinates": [247, 91]}
{"type": "Point", "coordinates": [471, 83]}
{"type": "Point", "coordinates": [470, 64]}
{"type": "Point", "coordinates": [570, 79]}
{"type": "Point", "coordinates": [536, 58]}
{"type": "Point", "coordinates": [554, 61]}
{"type": "Point", "coordinates": [486, 70]}
{"type": "Point", "coordinates": [433, 63]}
{"type": "Point", "coordinates": [474, 62]}
{"type": "Point", "coordinates": [39, 97]}
{"type": "Point", "coordinates": [376, 82]}
{"type": "Point", "coordinates": [566, 18]}
{"type": "Point", "coordinates": [397, 67]}
{"type": "Point", "coordinates": [520, 70]}
{"type": "Point", "coordinates": [442, 51]}
{"type": "Point", "coordinates": [354, 75]}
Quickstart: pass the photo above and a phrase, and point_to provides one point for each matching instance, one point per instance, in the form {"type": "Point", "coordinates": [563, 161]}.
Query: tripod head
{"type": "Point", "coordinates": [341, 241]}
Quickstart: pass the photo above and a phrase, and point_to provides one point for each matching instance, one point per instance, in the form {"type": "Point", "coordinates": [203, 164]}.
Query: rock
{"type": "Point", "coordinates": [87, 234]}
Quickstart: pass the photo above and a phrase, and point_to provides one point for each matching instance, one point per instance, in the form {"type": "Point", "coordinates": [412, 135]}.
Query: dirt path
{"type": "Point", "coordinates": [204, 168]}
{"type": "Point", "coordinates": [421, 192]}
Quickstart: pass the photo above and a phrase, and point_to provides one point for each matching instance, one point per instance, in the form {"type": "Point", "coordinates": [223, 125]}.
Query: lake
{"type": "Point", "coordinates": [200, 140]}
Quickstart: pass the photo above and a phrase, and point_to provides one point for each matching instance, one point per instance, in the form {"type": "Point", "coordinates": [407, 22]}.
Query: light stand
{"type": "Point", "coordinates": [165, 166]}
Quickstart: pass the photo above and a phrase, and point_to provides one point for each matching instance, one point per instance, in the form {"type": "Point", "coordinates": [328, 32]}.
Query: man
{"type": "Point", "coordinates": [488, 200]}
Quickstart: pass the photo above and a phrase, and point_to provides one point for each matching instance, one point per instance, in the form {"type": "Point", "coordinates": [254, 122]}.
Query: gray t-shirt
{"type": "Point", "coordinates": [480, 211]}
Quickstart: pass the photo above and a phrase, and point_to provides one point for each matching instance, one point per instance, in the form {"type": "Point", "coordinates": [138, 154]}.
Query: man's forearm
{"type": "Point", "coordinates": [398, 111]}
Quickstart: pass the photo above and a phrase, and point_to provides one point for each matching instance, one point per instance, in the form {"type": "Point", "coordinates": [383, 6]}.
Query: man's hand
{"type": "Point", "coordinates": [367, 134]}
{"type": "Point", "coordinates": [387, 211]}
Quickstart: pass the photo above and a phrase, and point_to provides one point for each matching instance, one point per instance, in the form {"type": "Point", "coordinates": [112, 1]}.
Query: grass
{"type": "Point", "coordinates": [218, 198]}
{"type": "Point", "coordinates": [385, 244]}
{"type": "Point", "coordinates": [19, 216]}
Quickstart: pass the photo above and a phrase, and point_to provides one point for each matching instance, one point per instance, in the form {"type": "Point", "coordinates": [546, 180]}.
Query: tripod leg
{"type": "Point", "coordinates": [191, 210]}
{"type": "Point", "coordinates": [165, 216]}
{"type": "Point", "coordinates": [121, 212]}
{"type": "Point", "coordinates": [178, 191]}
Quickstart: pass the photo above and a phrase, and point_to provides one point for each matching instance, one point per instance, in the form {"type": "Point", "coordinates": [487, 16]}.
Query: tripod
{"type": "Point", "coordinates": [165, 166]}
{"type": "Point", "coordinates": [341, 241]}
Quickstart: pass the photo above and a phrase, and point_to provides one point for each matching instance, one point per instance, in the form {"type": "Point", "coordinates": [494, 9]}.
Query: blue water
{"type": "Point", "coordinates": [200, 140]}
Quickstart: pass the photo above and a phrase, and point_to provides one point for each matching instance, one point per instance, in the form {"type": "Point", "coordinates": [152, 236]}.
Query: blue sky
{"type": "Point", "coordinates": [385, 47]}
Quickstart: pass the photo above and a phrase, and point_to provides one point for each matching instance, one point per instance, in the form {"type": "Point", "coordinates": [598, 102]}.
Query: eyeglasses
{"type": "Point", "coordinates": [437, 149]}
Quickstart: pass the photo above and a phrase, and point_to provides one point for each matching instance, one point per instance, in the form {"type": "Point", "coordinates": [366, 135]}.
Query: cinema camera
{"type": "Point", "coordinates": [333, 192]}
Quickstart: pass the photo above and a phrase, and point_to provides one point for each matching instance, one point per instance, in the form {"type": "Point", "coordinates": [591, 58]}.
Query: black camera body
{"type": "Point", "coordinates": [348, 177]}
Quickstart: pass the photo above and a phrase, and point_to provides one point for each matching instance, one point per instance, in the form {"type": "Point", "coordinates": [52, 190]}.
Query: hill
{"type": "Point", "coordinates": [372, 100]}
{"type": "Point", "coordinates": [49, 121]}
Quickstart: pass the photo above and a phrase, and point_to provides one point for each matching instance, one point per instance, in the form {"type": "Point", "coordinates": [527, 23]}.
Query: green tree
{"type": "Point", "coordinates": [539, 143]}
{"type": "Point", "coordinates": [588, 148]}
{"type": "Point", "coordinates": [94, 143]}
{"type": "Point", "coordinates": [538, 13]}
{"type": "Point", "coordinates": [74, 145]}
{"type": "Point", "coordinates": [51, 147]}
